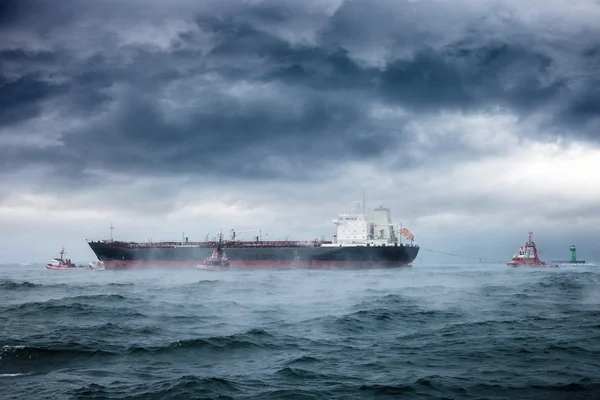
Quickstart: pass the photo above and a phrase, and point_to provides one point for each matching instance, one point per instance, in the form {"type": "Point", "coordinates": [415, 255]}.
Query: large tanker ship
{"type": "Point", "coordinates": [357, 244]}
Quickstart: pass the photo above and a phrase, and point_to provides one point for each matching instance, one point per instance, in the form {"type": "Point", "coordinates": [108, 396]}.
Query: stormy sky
{"type": "Point", "coordinates": [473, 120]}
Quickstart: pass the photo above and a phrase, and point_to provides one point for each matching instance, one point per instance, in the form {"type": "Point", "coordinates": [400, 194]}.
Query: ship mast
{"type": "Point", "coordinates": [364, 204]}
{"type": "Point", "coordinates": [531, 245]}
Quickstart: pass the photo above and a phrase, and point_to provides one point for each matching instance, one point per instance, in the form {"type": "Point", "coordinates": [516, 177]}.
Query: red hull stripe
{"type": "Point", "coordinates": [237, 264]}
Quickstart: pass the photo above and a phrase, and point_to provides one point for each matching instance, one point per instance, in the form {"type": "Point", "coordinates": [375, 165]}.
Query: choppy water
{"type": "Point", "coordinates": [430, 332]}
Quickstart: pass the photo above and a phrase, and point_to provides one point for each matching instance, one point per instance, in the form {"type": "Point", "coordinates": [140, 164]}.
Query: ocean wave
{"type": "Point", "coordinates": [392, 390]}
{"type": "Point", "coordinates": [252, 339]}
{"type": "Point", "coordinates": [13, 375]}
{"type": "Point", "coordinates": [22, 359]}
{"type": "Point", "coordinates": [96, 335]}
{"type": "Point", "coordinates": [392, 313]}
{"type": "Point", "coordinates": [489, 333]}
{"type": "Point", "coordinates": [11, 285]}
{"type": "Point", "coordinates": [297, 394]}
{"type": "Point", "coordinates": [437, 386]}
{"type": "Point", "coordinates": [188, 386]}
{"type": "Point", "coordinates": [56, 354]}
{"type": "Point", "coordinates": [583, 388]}
{"type": "Point", "coordinates": [565, 282]}
{"type": "Point", "coordinates": [73, 307]}
{"type": "Point", "coordinates": [26, 285]}
{"type": "Point", "coordinates": [315, 374]}
{"type": "Point", "coordinates": [303, 360]}
{"type": "Point", "coordinates": [8, 284]}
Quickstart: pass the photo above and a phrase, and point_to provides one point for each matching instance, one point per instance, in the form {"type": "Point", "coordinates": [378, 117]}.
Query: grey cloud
{"type": "Point", "coordinates": [582, 113]}
{"type": "Point", "coordinates": [498, 75]}
{"type": "Point", "coordinates": [12, 11]}
{"type": "Point", "coordinates": [20, 100]}
{"type": "Point", "coordinates": [177, 113]}
{"type": "Point", "coordinates": [228, 136]}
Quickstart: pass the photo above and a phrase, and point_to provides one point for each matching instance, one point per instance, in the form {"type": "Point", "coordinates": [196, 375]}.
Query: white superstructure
{"type": "Point", "coordinates": [354, 229]}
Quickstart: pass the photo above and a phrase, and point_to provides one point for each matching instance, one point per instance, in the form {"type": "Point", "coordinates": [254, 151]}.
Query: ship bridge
{"type": "Point", "coordinates": [354, 229]}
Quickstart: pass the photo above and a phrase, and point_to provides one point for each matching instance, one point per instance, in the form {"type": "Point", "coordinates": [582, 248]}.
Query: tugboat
{"type": "Point", "coordinates": [217, 261]}
{"type": "Point", "coordinates": [527, 256]}
{"type": "Point", "coordinates": [62, 263]}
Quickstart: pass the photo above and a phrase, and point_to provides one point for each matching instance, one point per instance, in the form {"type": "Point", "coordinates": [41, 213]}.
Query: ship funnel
{"type": "Point", "coordinates": [382, 220]}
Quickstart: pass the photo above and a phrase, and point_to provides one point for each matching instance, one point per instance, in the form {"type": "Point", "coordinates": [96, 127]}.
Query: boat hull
{"type": "Point", "coordinates": [212, 268]}
{"type": "Point", "coordinates": [531, 265]}
{"type": "Point", "coordinates": [143, 264]}
{"type": "Point", "coordinates": [55, 268]}
{"type": "Point", "coordinates": [117, 256]}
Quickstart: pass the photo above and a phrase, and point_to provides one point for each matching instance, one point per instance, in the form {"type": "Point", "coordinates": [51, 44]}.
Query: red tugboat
{"type": "Point", "coordinates": [527, 256]}
{"type": "Point", "coordinates": [63, 263]}
{"type": "Point", "coordinates": [217, 261]}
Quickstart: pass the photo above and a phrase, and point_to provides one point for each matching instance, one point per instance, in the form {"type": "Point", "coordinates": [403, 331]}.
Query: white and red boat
{"type": "Point", "coordinates": [527, 256]}
{"type": "Point", "coordinates": [218, 260]}
{"type": "Point", "coordinates": [96, 266]}
{"type": "Point", "coordinates": [64, 264]}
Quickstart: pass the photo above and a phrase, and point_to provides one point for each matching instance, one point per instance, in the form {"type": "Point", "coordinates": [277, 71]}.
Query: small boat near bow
{"type": "Point", "coordinates": [96, 266]}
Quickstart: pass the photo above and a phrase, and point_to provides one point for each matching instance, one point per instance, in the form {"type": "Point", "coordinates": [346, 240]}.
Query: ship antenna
{"type": "Point", "coordinates": [364, 203]}
{"type": "Point", "coordinates": [219, 249]}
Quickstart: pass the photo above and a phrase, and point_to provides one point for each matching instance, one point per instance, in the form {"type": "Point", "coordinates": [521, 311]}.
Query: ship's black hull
{"type": "Point", "coordinates": [123, 257]}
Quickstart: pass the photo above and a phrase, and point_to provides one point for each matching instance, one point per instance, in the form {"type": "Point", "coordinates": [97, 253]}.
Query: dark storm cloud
{"type": "Point", "coordinates": [12, 11]}
{"type": "Point", "coordinates": [20, 100]}
{"type": "Point", "coordinates": [494, 75]}
{"type": "Point", "coordinates": [232, 95]}
{"type": "Point", "coordinates": [140, 135]}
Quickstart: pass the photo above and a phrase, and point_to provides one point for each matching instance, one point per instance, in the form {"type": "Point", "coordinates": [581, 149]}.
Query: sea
{"type": "Point", "coordinates": [456, 331]}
